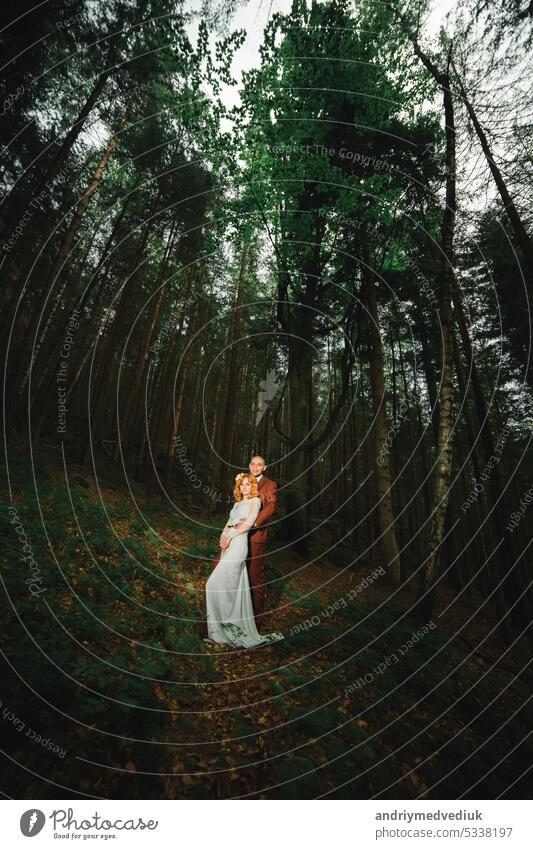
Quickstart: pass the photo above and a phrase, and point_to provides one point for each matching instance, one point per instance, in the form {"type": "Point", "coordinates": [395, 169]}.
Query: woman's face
{"type": "Point", "coordinates": [246, 487]}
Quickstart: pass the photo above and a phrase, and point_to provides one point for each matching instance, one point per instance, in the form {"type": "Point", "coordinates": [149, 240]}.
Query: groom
{"type": "Point", "coordinates": [258, 536]}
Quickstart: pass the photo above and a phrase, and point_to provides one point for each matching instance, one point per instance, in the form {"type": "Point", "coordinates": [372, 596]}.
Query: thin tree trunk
{"type": "Point", "coordinates": [68, 142]}
{"type": "Point", "coordinates": [227, 422]}
{"type": "Point", "coordinates": [416, 522]}
{"type": "Point", "coordinates": [522, 236]}
{"type": "Point", "coordinates": [48, 359]}
{"type": "Point", "coordinates": [24, 357]}
{"type": "Point", "coordinates": [162, 386]}
{"type": "Point", "coordinates": [110, 357]}
{"type": "Point", "coordinates": [178, 408]}
{"type": "Point", "coordinates": [427, 592]}
{"type": "Point", "coordinates": [299, 379]}
{"type": "Point", "coordinates": [131, 398]}
{"type": "Point", "coordinates": [387, 521]}
{"type": "Point", "coordinates": [514, 580]}
{"type": "Point", "coordinates": [66, 146]}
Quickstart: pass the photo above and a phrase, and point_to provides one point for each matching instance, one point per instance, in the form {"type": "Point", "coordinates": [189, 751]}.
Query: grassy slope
{"type": "Point", "coordinates": [117, 649]}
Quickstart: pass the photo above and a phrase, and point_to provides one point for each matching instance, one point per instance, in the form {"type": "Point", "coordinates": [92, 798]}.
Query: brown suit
{"type": "Point", "coordinates": [257, 537]}
{"type": "Point", "coordinates": [257, 545]}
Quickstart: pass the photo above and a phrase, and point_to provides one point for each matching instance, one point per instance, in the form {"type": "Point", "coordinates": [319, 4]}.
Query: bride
{"type": "Point", "coordinates": [230, 614]}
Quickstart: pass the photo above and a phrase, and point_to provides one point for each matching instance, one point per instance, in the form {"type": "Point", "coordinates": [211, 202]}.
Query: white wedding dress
{"type": "Point", "coordinates": [230, 613]}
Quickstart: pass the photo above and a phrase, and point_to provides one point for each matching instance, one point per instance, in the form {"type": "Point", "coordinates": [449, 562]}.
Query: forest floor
{"type": "Point", "coordinates": [109, 664]}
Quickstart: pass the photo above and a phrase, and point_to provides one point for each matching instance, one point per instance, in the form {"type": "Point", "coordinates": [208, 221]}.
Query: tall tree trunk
{"type": "Point", "coordinates": [48, 359]}
{"type": "Point", "coordinates": [414, 514]}
{"type": "Point", "coordinates": [387, 520]}
{"type": "Point", "coordinates": [522, 236]}
{"type": "Point", "coordinates": [429, 372]}
{"type": "Point", "coordinates": [25, 358]}
{"type": "Point", "coordinates": [131, 398]}
{"type": "Point", "coordinates": [186, 367]}
{"type": "Point", "coordinates": [68, 142]}
{"type": "Point", "coordinates": [58, 160]}
{"type": "Point", "coordinates": [109, 360]}
{"type": "Point", "coordinates": [227, 421]}
{"type": "Point", "coordinates": [300, 368]}
{"type": "Point", "coordinates": [486, 564]}
{"type": "Point", "coordinates": [514, 587]}
{"type": "Point", "coordinates": [163, 385]}
{"type": "Point", "coordinates": [427, 592]}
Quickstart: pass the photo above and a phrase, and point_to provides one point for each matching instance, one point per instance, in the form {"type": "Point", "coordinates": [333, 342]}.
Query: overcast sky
{"type": "Point", "coordinates": [253, 17]}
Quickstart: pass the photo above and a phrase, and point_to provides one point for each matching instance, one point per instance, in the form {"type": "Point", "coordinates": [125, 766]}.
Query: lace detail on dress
{"type": "Point", "coordinates": [254, 506]}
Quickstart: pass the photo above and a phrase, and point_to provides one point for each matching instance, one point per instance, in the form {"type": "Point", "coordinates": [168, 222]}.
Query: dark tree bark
{"type": "Point", "coordinates": [132, 395]}
{"type": "Point", "coordinates": [25, 356]}
{"type": "Point", "coordinates": [227, 420]}
{"type": "Point", "coordinates": [522, 236]}
{"type": "Point", "coordinates": [427, 591]}
{"type": "Point", "coordinates": [110, 356]}
{"type": "Point", "coordinates": [387, 520]}
{"type": "Point", "coordinates": [185, 370]}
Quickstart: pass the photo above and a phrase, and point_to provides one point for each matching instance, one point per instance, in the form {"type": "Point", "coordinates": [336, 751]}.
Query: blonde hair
{"type": "Point", "coordinates": [254, 491]}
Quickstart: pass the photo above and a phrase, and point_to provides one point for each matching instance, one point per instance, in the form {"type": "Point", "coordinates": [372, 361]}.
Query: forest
{"type": "Point", "coordinates": [299, 229]}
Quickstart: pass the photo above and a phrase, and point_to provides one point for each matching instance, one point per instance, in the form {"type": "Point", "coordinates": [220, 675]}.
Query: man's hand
{"type": "Point", "coordinates": [238, 523]}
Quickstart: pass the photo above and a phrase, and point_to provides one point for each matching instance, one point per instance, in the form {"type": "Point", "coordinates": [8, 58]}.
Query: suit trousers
{"type": "Point", "coordinates": [256, 576]}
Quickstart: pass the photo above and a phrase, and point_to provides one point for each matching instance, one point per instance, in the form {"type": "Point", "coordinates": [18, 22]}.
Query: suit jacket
{"type": "Point", "coordinates": [267, 494]}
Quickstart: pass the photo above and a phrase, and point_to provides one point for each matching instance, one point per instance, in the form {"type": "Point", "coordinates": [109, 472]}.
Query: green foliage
{"type": "Point", "coordinates": [300, 779]}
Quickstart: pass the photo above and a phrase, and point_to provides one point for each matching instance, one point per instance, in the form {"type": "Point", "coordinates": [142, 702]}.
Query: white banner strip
{"type": "Point", "coordinates": [307, 823]}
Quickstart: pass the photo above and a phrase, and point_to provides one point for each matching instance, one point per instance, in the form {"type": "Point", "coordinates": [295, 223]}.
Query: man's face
{"type": "Point", "coordinates": [256, 466]}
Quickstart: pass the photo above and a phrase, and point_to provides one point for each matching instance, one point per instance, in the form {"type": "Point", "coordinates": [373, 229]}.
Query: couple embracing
{"type": "Point", "coordinates": [235, 590]}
